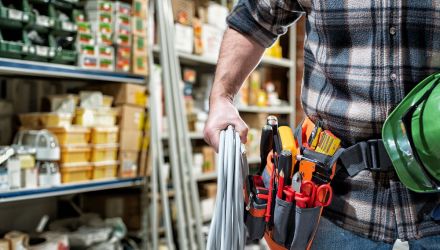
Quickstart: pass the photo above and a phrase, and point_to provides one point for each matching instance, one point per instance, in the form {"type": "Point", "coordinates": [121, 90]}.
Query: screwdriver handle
{"type": "Point", "coordinates": [285, 164]}
{"type": "Point", "coordinates": [266, 145]}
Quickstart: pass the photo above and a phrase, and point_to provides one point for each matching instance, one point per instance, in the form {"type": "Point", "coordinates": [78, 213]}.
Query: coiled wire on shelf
{"type": "Point", "coordinates": [227, 229]}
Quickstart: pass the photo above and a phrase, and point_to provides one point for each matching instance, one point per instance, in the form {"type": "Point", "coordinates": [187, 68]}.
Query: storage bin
{"type": "Point", "coordinates": [56, 119]}
{"type": "Point", "coordinates": [39, 16]}
{"type": "Point", "coordinates": [76, 172]}
{"type": "Point", "coordinates": [105, 170]}
{"type": "Point", "coordinates": [71, 135]}
{"type": "Point", "coordinates": [61, 8]}
{"type": "Point", "coordinates": [105, 117]}
{"type": "Point", "coordinates": [14, 13]}
{"type": "Point", "coordinates": [40, 48]}
{"type": "Point", "coordinates": [104, 152]}
{"type": "Point", "coordinates": [38, 120]}
{"type": "Point", "coordinates": [75, 153]}
{"type": "Point", "coordinates": [105, 135]}
{"type": "Point", "coordinates": [11, 43]}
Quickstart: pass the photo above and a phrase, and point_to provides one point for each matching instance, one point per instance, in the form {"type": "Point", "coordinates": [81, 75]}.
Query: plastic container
{"type": "Point", "coordinates": [104, 152]}
{"type": "Point", "coordinates": [14, 13]}
{"type": "Point", "coordinates": [105, 170]}
{"type": "Point", "coordinates": [75, 135]}
{"type": "Point", "coordinates": [40, 48]}
{"type": "Point", "coordinates": [56, 119]}
{"type": "Point", "coordinates": [107, 101]}
{"type": "Point", "coordinates": [76, 172]}
{"type": "Point", "coordinates": [40, 18]}
{"type": "Point", "coordinates": [11, 43]}
{"type": "Point", "coordinates": [105, 135]}
{"type": "Point", "coordinates": [64, 18]}
{"type": "Point", "coordinates": [76, 153]}
{"type": "Point", "coordinates": [65, 49]}
{"type": "Point", "coordinates": [105, 117]}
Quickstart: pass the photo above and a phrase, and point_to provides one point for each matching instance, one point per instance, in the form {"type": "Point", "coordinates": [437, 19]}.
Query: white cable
{"type": "Point", "coordinates": [227, 225]}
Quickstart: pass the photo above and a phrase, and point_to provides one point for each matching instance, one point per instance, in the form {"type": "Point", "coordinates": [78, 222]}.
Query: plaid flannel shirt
{"type": "Point", "coordinates": [360, 59]}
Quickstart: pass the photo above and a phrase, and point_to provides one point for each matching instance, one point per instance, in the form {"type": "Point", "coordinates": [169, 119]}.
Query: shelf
{"type": "Point", "coordinates": [26, 194]}
{"type": "Point", "coordinates": [192, 58]}
{"type": "Point", "coordinates": [206, 176]}
{"type": "Point", "coordinates": [29, 68]}
{"type": "Point", "coordinates": [192, 135]}
{"type": "Point", "coordinates": [270, 110]}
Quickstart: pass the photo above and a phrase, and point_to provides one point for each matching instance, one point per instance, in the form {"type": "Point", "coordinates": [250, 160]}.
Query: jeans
{"type": "Point", "coordinates": [330, 236]}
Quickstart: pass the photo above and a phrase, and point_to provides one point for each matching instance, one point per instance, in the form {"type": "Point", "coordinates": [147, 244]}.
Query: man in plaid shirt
{"type": "Point", "coordinates": [361, 58]}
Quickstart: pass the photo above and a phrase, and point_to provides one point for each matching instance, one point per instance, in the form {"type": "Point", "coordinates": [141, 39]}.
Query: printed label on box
{"type": "Point", "coordinates": [15, 14]}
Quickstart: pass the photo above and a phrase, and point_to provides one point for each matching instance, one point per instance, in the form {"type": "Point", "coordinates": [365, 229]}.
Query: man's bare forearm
{"type": "Point", "coordinates": [239, 55]}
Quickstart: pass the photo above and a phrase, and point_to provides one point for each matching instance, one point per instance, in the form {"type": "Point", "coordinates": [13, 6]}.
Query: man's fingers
{"type": "Point", "coordinates": [211, 137]}
{"type": "Point", "coordinates": [242, 130]}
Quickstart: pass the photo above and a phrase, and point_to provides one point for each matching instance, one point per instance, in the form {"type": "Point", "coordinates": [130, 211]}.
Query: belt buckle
{"type": "Point", "coordinates": [379, 160]}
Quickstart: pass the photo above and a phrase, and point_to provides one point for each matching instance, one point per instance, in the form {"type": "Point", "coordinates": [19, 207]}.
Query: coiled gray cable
{"type": "Point", "coordinates": [227, 226]}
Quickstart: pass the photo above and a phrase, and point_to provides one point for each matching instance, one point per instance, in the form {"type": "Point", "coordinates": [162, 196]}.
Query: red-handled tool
{"type": "Point", "coordinates": [280, 185]}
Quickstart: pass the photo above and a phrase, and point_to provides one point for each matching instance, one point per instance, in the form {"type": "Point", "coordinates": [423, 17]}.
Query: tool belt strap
{"type": "Point", "coordinates": [369, 154]}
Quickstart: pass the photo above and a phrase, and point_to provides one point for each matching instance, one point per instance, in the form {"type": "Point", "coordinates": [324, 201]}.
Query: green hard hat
{"type": "Point", "coordinates": [411, 135]}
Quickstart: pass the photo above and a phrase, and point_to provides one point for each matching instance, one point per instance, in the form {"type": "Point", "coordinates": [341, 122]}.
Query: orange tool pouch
{"type": "Point", "coordinates": [289, 225]}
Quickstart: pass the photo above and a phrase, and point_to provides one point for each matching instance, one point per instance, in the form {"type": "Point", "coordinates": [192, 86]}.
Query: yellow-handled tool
{"type": "Point", "coordinates": [288, 143]}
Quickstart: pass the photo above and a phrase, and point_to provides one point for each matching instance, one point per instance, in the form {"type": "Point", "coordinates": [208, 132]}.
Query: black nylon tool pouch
{"type": "Point", "coordinates": [255, 219]}
{"type": "Point", "coordinates": [306, 224]}
{"type": "Point", "coordinates": [283, 221]}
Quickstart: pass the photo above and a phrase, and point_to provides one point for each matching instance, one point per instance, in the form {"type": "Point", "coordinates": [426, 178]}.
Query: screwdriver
{"type": "Point", "coordinates": [266, 145]}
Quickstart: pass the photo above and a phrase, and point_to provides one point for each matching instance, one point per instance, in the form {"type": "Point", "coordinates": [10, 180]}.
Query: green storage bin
{"type": "Point", "coordinates": [40, 18]}
{"type": "Point", "coordinates": [11, 44]}
{"type": "Point", "coordinates": [65, 4]}
{"type": "Point", "coordinates": [64, 20]}
{"type": "Point", "coordinates": [65, 52]}
{"type": "Point", "coordinates": [13, 13]}
{"type": "Point", "coordinates": [38, 50]}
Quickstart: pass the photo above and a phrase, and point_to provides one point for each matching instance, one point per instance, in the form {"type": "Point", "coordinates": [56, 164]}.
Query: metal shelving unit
{"type": "Point", "coordinates": [193, 59]}
{"type": "Point", "coordinates": [14, 67]}
{"type": "Point", "coordinates": [65, 189]}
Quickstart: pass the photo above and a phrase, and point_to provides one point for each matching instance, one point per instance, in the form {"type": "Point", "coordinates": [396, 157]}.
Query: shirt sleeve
{"type": "Point", "coordinates": [264, 20]}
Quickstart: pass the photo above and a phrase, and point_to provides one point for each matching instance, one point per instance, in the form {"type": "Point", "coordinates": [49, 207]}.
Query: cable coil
{"type": "Point", "coordinates": [227, 229]}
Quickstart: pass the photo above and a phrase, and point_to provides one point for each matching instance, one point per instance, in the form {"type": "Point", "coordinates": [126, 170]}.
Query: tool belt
{"type": "Point", "coordinates": [286, 195]}
{"type": "Point", "coordinates": [364, 155]}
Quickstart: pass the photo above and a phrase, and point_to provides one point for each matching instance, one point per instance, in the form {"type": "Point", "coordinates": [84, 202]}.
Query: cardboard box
{"type": "Point", "coordinates": [208, 159]}
{"type": "Point", "coordinates": [4, 244]}
{"type": "Point", "coordinates": [139, 26]}
{"type": "Point", "coordinates": [183, 11]}
{"type": "Point", "coordinates": [140, 64]}
{"type": "Point", "coordinates": [209, 190]}
{"type": "Point", "coordinates": [122, 203]}
{"type": "Point", "coordinates": [125, 93]}
{"type": "Point", "coordinates": [139, 45]}
{"type": "Point", "coordinates": [129, 163]}
{"type": "Point", "coordinates": [211, 40]}
{"type": "Point", "coordinates": [131, 117]}
{"type": "Point", "coordinates": [184, 38]}
{"type": "Point", "coordinates": [140, 8]}
{"type": "Point", "coordinates": [130, 140]}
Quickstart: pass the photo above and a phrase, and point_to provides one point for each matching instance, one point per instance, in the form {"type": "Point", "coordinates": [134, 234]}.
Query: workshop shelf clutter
{"type": "Point", "coordinates": [93, 34]}
{"type": "Point", "coordinates": [87, 130]}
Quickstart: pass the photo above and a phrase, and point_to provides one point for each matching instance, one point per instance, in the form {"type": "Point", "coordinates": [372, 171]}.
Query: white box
{"type": "Point", "coordinates": [217, 15]}
{"type": "Point", "coordinates": [211, 40]}
{"type": "Point", "coordinates": [184, 38]}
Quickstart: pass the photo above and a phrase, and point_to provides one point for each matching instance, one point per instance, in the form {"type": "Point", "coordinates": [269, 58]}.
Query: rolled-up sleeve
{"type": "Point", "coordinates": [264, 20]}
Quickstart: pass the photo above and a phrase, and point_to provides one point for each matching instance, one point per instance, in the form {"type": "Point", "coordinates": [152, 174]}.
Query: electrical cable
{"type": "Point", "coordinates": [227, 229]}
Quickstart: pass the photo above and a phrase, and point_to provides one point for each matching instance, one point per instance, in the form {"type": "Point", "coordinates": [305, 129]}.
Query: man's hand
{"type": "Point", "coordinates": [221, 114]}
{"type": "Point", "coordinates": [239, 55]}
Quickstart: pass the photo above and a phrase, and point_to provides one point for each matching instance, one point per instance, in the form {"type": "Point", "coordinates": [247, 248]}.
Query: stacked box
{"type": "Point", "coordinates": [100, 17]}
{"type": "Point", "coordinates": [139, 43]}
{"type": "Point", "coordinates": [130, 100]}
{"type": "Point", "coordinates": [122, 37]}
